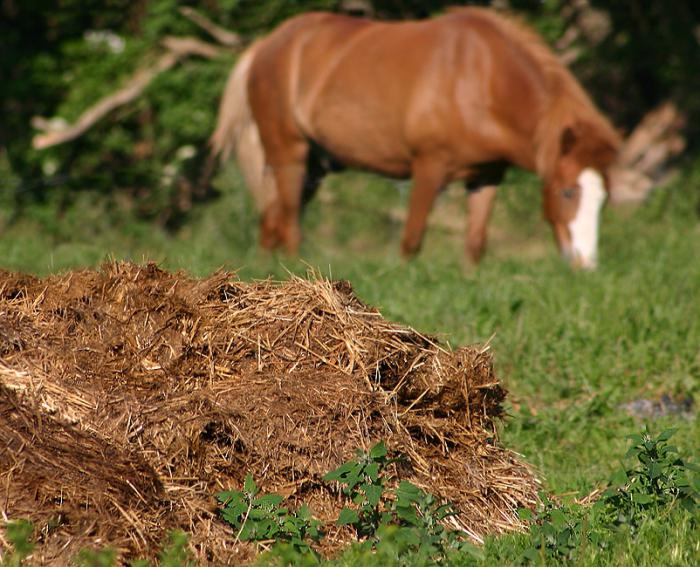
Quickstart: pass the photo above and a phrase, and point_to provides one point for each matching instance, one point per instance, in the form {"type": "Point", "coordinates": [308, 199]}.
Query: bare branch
{"type": "Point", "coordinates": [644, 158]}
{"type": "Point", "coordinates": [191, 46]}
{"type": "Point", "coordinates": [223, 36]}
{"type": "Point", "coordinates": [178, 48]}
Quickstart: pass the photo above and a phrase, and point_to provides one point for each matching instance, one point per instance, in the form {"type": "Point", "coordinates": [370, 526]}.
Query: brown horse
{"type": "Point", "coordinates": [461, 96]}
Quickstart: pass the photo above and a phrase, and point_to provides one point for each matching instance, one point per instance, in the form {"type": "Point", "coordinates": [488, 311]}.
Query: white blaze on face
{"type": "Point", "coordinates": [584, 227]}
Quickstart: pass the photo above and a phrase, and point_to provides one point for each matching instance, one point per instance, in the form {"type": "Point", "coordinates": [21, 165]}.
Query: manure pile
{"type": "Point", "coordinates": [130, 396]}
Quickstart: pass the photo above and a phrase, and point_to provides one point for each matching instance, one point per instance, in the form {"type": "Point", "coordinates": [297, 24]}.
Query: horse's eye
{"type": "Point", "coordinates": [569, 192]}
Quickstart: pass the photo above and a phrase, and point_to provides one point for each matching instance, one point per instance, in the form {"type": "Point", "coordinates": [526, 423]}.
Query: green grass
{"type": "Point", "coordinates": [571, 347]}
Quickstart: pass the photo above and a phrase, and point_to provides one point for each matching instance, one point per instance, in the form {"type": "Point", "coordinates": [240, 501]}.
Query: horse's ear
{"type": "Point", "coordinates": [568, 140]}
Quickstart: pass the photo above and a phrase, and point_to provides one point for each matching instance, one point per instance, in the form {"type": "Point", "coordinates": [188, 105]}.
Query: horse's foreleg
{"type": "Point", "coordinates": [290, 182]}
{"type": "Point", "coordinates": [479, 206]}
{"type": "Point", "coordinates": [428, 178]}
{"type": "Point", "coordinates": [269, 223]}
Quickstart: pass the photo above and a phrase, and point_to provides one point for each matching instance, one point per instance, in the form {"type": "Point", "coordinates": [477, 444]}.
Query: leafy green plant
{"type": "Point", "coordinates": [19, 534]}
{"type": "Point", "coordinates": [96, 557]}
{"type": "Point", "coordinates": [556, 531]}
{"type": "Point", "coordinates": [658, 479]}
{"type": "Point", "coordinates": [260, 518]}
{"type": "Point", "coordinates": [400, 522]}
{"type": "Point", "coordinates": [175, 553]}
{"type": "Point", "coordinates": [363, 482]}
{"type": "Point", "coordinates": [423, 516]}
{"type": "Point", "coordinates": [656, 482]}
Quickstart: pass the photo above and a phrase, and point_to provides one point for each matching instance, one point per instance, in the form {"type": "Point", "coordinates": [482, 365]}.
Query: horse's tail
{"type": "Point", "coordinates": [237, 133]}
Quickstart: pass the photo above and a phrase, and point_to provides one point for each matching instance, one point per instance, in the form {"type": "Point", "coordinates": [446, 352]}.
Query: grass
{"type": "Point", "coordinates": [571, 347]}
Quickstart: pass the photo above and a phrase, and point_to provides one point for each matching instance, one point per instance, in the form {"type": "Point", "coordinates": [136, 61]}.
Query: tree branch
{"type": "Point", "coordinates": [223, 36]}
{"type": "Point", "coordinates": [178, 49]}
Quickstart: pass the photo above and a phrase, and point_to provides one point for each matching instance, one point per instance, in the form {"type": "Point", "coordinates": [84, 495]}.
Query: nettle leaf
{"type": "Point", "coordinates": [231, 516]}
{"type": "Point", "coordinates": [292, 526]}
{"type": "Point", "coordinates": [257, 514]}
{"type": "Point", "coordinates": [525, 514]}
{"type": "Point", "coordinates": [248, 531]}
{"type": "Point", "coordinates": [249, 486]}
{"type": "Point", "coordinates": [620, 478]}
{"type": "Point", "coordinates": [408, 514]}
{"type": "Point", "coordinates": [347, 517]}
{"type": "Point", "coordinates": [264, 527]}
{"type": "Point", "coordinates": [304, 512]}
{"type": "Point", "coordinates": [374, 494]}
{"type": "Point", "coordinates": [340, 473]}
{"type": "Point", "coordinates": [378, 451]}
{"type": "Point", "coordinates": [269, 501]}
{"type": "Point", "coordinates": [666, 434]}
{"type": "Point", "coordinates": [641, 498]}
{"type": "Point", "coordinates": [655, 470]}
{"type": "Point", "coordinates": [372, 471]}
{"type": "Point", "coordinates": [228, 496]}
{"type": "Point", "coordinates": [408, 491]}
{"type": "Point", "coordinates": [354, 476]}
{"type": "Point", "coordinates": [636, 438]}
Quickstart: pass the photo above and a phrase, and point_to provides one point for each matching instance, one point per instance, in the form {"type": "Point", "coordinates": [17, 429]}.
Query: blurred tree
{"type": "Point", "coordinates": [58, 57]}
{"type": "Point", "coordinates": [652, 54]}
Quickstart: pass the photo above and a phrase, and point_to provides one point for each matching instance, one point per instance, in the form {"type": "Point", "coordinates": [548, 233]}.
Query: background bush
{"type": "Point", "coordinates": [60, 56]}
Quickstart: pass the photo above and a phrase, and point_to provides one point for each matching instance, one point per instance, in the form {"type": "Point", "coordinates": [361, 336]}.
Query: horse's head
{"type": "Point", "coordinates": [576, 190]}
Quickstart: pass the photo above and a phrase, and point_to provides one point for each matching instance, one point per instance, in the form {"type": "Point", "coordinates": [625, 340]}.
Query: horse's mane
{"type": "Point", "coordinates": [569, 103]}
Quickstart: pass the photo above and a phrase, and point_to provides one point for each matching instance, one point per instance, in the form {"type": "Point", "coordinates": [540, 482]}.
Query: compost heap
{"type": "Point", "coordinates": [130, 396]}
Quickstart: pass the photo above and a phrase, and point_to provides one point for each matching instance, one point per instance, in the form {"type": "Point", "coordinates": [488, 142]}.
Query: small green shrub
{"type": "Point", "coordinates": [260, 518]}
{"type": "Point", "coordinates": [657, 482]}
{"type": "Point", "coordinates": [403, 522]}
{"type": "Point", "coordinates": [19, 534]}
{"type": "Point", "coordinates": [176, 553]}
{"type": "Point", "coordinates": [658, 479]}
{"type": "Point", "coordinates": [363, 482]}
{"type": "Point", "coordinates": [96, 557]}
{"type": "Point", "coordinates": [557, 531]}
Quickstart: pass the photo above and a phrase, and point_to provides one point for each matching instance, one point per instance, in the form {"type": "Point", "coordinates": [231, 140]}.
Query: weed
{"type": "Point", "coordinates": [658, 479]}
{"type": "Point", "coordinates": [556, 532]}
{"type": "Point", "coordinates": [96, 557]}
{"type": "Point", "coordinates": [260, 518]}
{"type": "Point", "coordinates": [405, 521]}
{"type": "Point", "coordinates": [638, 494]}
{"type": "Point", "coordinates": [363, 482]}
{"type": "Point", "coordinates": [19, 534]}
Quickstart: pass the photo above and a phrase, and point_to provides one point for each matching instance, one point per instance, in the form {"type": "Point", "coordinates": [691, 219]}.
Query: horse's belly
{"type": "Point", "coordinates": [360, 143]}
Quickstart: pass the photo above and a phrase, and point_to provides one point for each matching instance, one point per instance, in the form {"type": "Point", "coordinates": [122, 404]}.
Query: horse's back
{"type": "Point", "coordinates": [375, 94]}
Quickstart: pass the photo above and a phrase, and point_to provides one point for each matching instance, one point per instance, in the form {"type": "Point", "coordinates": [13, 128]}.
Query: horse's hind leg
{"type": "Point", "coordinates": [280, 221]}
{"type": "Point", "coordinates": [429, 176]}
{"type": "Point", "coordinates": [290, 183]}
{"type": "Point", "coordinates": [481, 189]}
{"type": "Point", "coordinates": [479, 207]}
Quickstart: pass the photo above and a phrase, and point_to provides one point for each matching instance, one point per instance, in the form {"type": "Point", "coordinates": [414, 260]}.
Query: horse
{"type": "Point", "coordinates": [462, 96]}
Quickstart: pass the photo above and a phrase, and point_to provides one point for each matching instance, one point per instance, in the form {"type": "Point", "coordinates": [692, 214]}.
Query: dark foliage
{"type": "Point", "coordinates": [58, 57]}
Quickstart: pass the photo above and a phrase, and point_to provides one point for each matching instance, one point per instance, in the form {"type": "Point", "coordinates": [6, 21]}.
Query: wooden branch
{"type": "Point", "coordinates": [643, 160]}
{"type": "Point", "coordinates": [661, 124]}
{"type": "Point", "coordinates": [186, 46]}
{"type": "Point", "coordinates": [223, 36]}
{"type": "Point", "coordinates": [178, 48]}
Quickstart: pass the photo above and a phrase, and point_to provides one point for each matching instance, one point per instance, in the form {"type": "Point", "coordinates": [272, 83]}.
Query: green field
{"type": "Point", "coordinates": [571, 347]}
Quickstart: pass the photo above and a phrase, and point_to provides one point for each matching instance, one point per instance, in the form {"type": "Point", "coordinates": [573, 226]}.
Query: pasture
{"type": "Point", "coordinates": [587, 357]}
